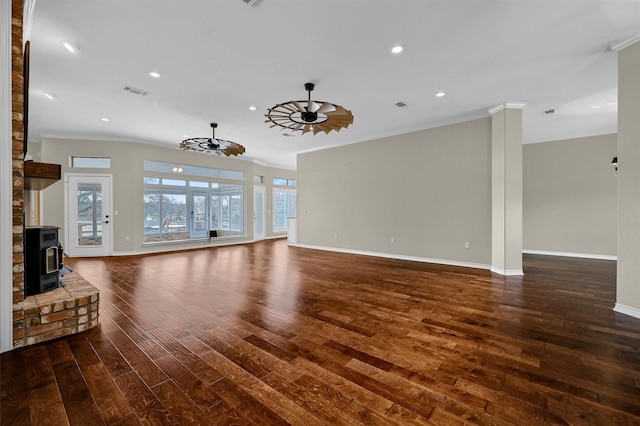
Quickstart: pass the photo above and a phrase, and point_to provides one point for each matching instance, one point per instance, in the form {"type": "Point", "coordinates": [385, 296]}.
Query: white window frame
{"type": "Point", "coordinates": [275, 228]}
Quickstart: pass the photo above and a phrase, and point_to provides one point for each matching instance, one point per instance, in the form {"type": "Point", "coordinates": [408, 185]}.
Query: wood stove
{"type": "Point", "coordinates": [43, 254]}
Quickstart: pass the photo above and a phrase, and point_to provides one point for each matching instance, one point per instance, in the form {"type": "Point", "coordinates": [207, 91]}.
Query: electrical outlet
{"type": "Point", "coordinates": [467, 245]}
{"type": "Point", "coordinates": [336, 236]}
{"type": "Point", "coordinates": [393, 240]}
{"type": "Point", "coordinates": [126, 238]}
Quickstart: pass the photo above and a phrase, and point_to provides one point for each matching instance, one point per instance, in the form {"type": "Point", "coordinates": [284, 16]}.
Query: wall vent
{"type": "Point", "coordinates": [252, 3]}
{"type": "Point", "coordinates": [134, 90]}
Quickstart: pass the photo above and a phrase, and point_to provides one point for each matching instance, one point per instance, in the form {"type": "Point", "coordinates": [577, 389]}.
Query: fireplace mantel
{"type": "Point", "coordinates": [38, 176]}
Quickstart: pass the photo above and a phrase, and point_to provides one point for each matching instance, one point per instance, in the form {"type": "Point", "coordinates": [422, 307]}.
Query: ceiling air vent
{"type": "Point", "coordinates": [548, 111]}
{"type": "Point", "coordinates": [134, 90]}
{"type": "Point", "coordinates": [252, 3]}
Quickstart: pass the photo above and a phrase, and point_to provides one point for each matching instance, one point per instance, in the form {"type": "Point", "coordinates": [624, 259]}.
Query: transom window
{"type": "Point", "coordinates": [284, 182]}
{"type": "Point", "coordinates": [90, 162]}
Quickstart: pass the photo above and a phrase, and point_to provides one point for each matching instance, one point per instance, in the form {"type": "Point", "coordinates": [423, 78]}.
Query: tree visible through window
{"type": "Point", "coordinates": [168, 207]}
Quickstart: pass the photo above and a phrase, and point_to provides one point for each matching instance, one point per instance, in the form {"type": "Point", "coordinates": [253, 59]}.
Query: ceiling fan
{"type": "Point", "coordinates": [213, 145]}
{"type": "Point", "coordinates": [309, 116]}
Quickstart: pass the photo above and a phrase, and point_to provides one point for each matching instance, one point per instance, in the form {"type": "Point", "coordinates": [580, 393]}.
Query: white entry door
{"type": "Point", "coordinates": [89, 217]}
{"type": "Point", "coordinates": [259, 205]}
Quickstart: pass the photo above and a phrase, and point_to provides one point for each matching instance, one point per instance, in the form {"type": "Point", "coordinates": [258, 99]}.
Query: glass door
{"type": "Point", "coordinates": [88, 205]}
{"type": "Point", "coordinates": [198, 208]}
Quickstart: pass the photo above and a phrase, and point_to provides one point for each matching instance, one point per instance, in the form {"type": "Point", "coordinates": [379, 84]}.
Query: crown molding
{"type": "Point", "coordinates": [507, 105]}
{"type": "Point", "coordinates": [627, 41]}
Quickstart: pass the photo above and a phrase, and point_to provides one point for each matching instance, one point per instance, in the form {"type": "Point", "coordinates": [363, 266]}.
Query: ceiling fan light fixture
{"type": "Point", "coordinates": [213, 145]}
{"type": "Point", "coordinates": [309, 115]}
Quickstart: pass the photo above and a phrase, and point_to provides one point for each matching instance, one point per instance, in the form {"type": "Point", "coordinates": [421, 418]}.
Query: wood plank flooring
{"type": "Point", "coordinates": [269, 334]}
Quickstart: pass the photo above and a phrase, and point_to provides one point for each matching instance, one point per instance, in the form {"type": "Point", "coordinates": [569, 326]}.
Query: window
{"type": "Point", "coordinates": [178, 210]}
{"type": "Point", "coordinates": [284, 207]}
{"type": "Point", "coordinates": [258, 179]}
{"type": "Point", "coordinates": [165, 215]}
{"type": "Point", "coordinates": [227, 210]}
{"type": "Point", "coordinates": [207, 172]}
{"type": "Point", "coordinates": [91, 162]}
{"type": "Point", "coordinates": [284, 182]}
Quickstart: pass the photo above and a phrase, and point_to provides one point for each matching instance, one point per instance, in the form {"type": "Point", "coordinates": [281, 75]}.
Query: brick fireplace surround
{"type": "Point", "coordinates": [63, 311]}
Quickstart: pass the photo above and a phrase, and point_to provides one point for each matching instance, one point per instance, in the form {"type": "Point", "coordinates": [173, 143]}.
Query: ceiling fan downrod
{"type": "Point", "coordinates": [309, 116]}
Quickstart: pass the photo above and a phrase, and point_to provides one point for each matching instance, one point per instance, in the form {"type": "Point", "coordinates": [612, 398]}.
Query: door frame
{"type": "Point", "coordinates": [256, 189]}
{"type": "Point", "coordinates": [107, 248]}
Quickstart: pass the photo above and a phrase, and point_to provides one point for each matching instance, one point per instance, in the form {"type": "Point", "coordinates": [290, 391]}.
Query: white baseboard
{"type": "Point", "coordinates": [397, 256]}
{"type": "Point", "coordinates": [275, 237]}
{"type": "Point", "coordinates": [510, 272]}
{"type": "Point", "coordinates": [569, 254]}
{"type": "Point", "coordinates": [627, 310]}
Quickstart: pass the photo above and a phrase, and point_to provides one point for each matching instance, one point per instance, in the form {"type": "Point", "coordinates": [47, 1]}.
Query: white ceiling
{"type": "Point", "coordinates": [218, 57]}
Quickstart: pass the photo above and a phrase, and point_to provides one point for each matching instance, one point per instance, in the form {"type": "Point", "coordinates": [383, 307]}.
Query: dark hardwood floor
{"type": "Point", "coordinates": [271, 334]}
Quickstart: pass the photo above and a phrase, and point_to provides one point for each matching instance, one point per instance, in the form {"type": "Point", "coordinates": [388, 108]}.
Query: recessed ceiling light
{"type": "Point", "coordinates": [50, 96]}
{"type": "Point", "coordinates": [252, 108]}
{"type": "Point", "coordinates": [397, 49]}
{"type": "Point", "coordinates": [69, 46]}
{"type": "Point", "coordinates": [440, 94]}
{"type": "Point", "coordinates": [154, 74]}
{"type": "Point", "coordinates": [105, 119]}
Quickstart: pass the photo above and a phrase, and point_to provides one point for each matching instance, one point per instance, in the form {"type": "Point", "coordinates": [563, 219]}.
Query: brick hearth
{"type": "Point", "coordinates": [66, 310]}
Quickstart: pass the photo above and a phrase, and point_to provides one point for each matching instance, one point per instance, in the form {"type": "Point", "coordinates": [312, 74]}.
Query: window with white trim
{"type": "Point", "coordinates": [90, 162]}
{"type": "Point", "coordinates": [179, 208]}
{"type": "Point", "coordinates": [284, 207]}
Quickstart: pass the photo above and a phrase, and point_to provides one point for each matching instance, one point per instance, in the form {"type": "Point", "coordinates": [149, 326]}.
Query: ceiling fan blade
{"type": "Point", "coordinates": [339, 110]}
{"type": "Point", "coordinates": [285, 107]}
{"type": "Point", "coordinates": [312, 106]}
{"type": "Point", "coordinates": [329, 125]}
{"type": "Point", "coordinates": [326, 107]}
{"type": "Point", "coordinates": [297, 105]}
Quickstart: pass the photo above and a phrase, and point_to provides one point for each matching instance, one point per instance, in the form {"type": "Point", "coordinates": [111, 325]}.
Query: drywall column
{"type": "Point", "coordinates": [628, 285]}
{"type": "Point", "coordinates": [6, 181]}
{"type": "Point", "coordinates": [506, 188]}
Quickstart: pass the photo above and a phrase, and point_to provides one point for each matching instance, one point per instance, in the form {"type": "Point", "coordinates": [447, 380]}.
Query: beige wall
{"type": "Point", "coordinates": [628, 286]}
{"type": "Point", "coordinates": [127, 171]}
{"type": "Point", "coordinates": [430, 190]}
{"type": "Point", "coordinates": [570, 196]}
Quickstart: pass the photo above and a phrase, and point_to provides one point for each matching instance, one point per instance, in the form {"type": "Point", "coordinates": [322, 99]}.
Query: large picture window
{"type": "Point", "coordinates": [180, 209]}
{"type": "Point", "coordinates": [227, 209]}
